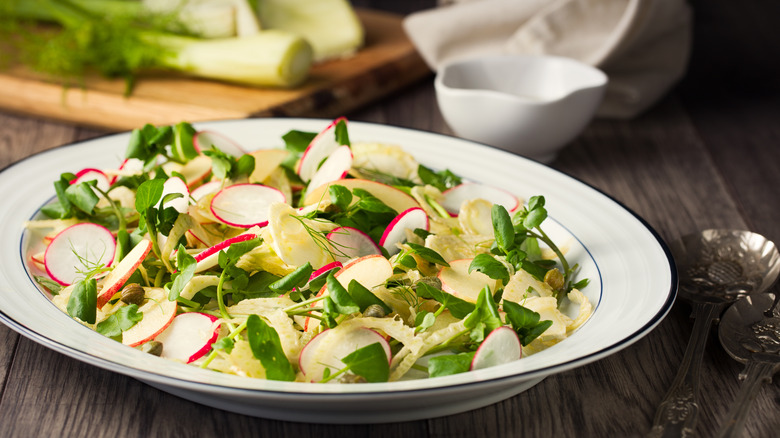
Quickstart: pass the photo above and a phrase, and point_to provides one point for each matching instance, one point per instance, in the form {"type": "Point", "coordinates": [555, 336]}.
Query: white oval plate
{"type": "Point", "coordinates": [633, 283]}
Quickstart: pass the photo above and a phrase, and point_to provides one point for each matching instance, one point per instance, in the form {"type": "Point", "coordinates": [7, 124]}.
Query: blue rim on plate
{"type": "Point", "coordinates": [633, 284]}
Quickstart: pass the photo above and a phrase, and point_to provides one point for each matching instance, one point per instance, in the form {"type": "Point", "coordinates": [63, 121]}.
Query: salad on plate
{"type": "Point", "coordinates": [327, 261]}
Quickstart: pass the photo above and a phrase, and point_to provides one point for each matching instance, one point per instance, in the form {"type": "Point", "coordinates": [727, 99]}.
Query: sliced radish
{"type": "Point", "coordinates": [158, 314]}
{"type": "Point", "coordinates": [206, 189]}
{"type": "Point", "coordinates": [37, 260]}
{"type": "Point", "coordinates": [391, 196]}
{"type": "Point", "coordinates": [77, 249]}
{"type": "Point", "coordinates": [325, 269]}
{"type": "Point", "coordinates": [175, 185]}
{"type": "Point", "coordinates": [122, 271]}
{"type": "Point", "coordinates": [204, 140]}
{"type": "Point", "coordinates": [456, 280]}
{"type": "Point", "coordinates": [501, 346]}
{"type": "Point", "coordinates": [328, 348]}
{"type": "Point", "coordinates": [89, 174]}
{"type": "Point", "coordinates": [245, 205]}
{"type": "Point", "coordinates": [318, 150]}
{"type": "Point", "coordinates": [189, 337]}
{"type": "Point", "coordinates": [370, 271]}
{"type": "Point", "coordinates": [395, 233]}
{"type": "Point", "coordinates": [196, 170]}
{"type": "Point", "coordinates": [349, 243]}
{"type": "Point", "coordinates": [130, 166]}
{"type": "Point", "coordinates": [334, 168]}
{"type": "Point", "coordinates": [454, 197]}
{"type": "Point", "coordinates": [209, 257]}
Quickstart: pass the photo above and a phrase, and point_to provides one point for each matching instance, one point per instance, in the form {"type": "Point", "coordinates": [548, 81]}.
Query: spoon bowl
{"type": "Point", "coordinates": [751, 336]}
{"type": "Point", "coordinates": [715, 268]}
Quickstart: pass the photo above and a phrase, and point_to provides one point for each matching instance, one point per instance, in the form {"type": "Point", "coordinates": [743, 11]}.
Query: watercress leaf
{"type": "Point", "coordinates": [82, 196]}
{"type": "Point", "coordinates": [297, 278]}
{"type": "Point", "coordinates": [525, 321]}
{"type": "Point", "coordinates": [535, 217]}
{"type": "Point", "coordinates": [424, 320]}
{"type": "Point", "coordinates": [121, 320]}
{"type": "Point", "coordinates": [371, 203]}
{"type": "Point", "coordinates": [535, 332]}
{"type": "Point", "coordinates": [364, 297]}
{"type": "Point", "coordinates": [166, 217]}
{"type": "Point", "coordinates": [422, 233]}
{"type": "Point", "coordinates": [370, 362]}
{"type": "Point", "coordinates": [457, 307]}
{"type": "Point", "coordinates": [237, 249]}
{"type": "Point", "coordinates": [245, 165]}
{"type": "Point", "coordinates": [298, 141]}
{"type": "Point", "coordinates": [266, 346]}
{"type": "Point", "coordinates": [52, 286]}
{"type": "Point", "coordinates": [343, 302]}
{"type": "Point", "coordinates": [449, 364]}
{"type": "Point", "coordinates": [82, 303]}
{"type": "Point", "coordinates": [186, 265]}
{"type": "Point", "coordinates": [485, 313]}
{"type": "Point", "coordinates": [329, 312]}
{"type": "Point", "coordinates": [488, 265]}
{"type": "Point", "coordinates": [342, 136]}
{"type": "Point", "coordinates": [408, 261]}
{"type": "Point", "coordinates": [535, 202]}
{"type": "Point", "coordinates": [183, 147]}
{"type": "Point", "coordinates": [59, 187]}
{"type": "Point", "coordinates": [340, 196]}
{"type": "Point", "coordinates": [503, 230]}
{"type": "Point", "coordinates": [258, 286]}
{"type": "Point", "coordinates": [427, 254]}
{"type": "Point", "coordinates": [441, 180]}
{"type": "Point", "coordinates": [136, 147]}
{"type": "Point", "coordinates": [148, 194]}
{"type": "Point", "coordinates": [226, 344]}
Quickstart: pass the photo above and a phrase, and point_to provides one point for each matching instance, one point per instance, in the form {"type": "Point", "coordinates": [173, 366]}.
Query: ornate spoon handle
{"type": "Point", "coordinates": [678, 412]}
{"type": "Point", "coordinates": [758, 373]}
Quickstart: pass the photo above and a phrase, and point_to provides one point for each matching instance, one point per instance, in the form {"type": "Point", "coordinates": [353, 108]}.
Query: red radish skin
{"type": "Point", "coordinates": [196, 170]}
{"type": "Point", "coordinates": [334, 168]}
{"type": "Point", "coordinates": [395, 233]}
{"type": "Point", "coordinates": [122, 271]}
{"type": "Point", "coordinates": [350, 243]}
{"type": "Point", "coordinates": [204, 140]}
{"type": "Point", "coordinates": [65, 255]}
{"type": "Point", "coordinates": [129, 165]}
{"type": "Point", "coordinates": [327, 268]}
{"type": "Point", "coordinates": [89, 174]}
{"type": "Point", "coordinates": [209, 256]}
{"type": "Point", "coordinates": [245, 205]}
{"type": "Point", "coordinates": [319, 149]}
{"type": "Point", "coordinates": [454, 197]}
{"type": "Point", "coordinates": [189, 336]}
{"type": "Point", "coordinates": [206, 189]}
{"type": "Point", "coordinates": [501, 346]}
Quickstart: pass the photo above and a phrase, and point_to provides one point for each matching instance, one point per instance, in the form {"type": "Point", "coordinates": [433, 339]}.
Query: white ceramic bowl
{"type": "Point", "coordinates": [526, 104]}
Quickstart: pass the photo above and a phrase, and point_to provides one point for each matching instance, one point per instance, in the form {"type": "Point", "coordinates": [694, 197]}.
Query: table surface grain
{"type": "Point", "coordinates": [706, 156]}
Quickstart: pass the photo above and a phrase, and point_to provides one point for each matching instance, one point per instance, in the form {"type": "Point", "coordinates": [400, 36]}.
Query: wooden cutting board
{"type": "Point", "coordinates": [386, 63]}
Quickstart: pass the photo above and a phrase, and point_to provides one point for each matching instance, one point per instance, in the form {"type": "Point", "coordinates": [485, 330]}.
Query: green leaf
{"type": "Point", "coordinates": [82, 196]}
{"type": "Point", "coordinates": [441, 180]}
{"type": "Point", "coordinates": [245, 165]}
{"type": "Point", "coordinates": [266, 346]}
{"type": "Point", "coordinates": [364, 297]}
{"type": "Point", "coordinates": [82, 303]}
{"type": "Point", "coordinates": [535, 218]}
{"type": "Point", "coordinates": [52, 286]}
{"type": "Point", "coordinates": [120, 321]}
{"type": "Point", "coordinates": [343, 302]}
{"type": "Point", "coordinates": [427, 254]}
{"type": "Point", "coordinates": [525, 321]}
{"type": "Point", "coordinates": [535, 202]}
{"type": "Point", "coordinates": [370, 362]}
{"type": "Point", "coordinates": [183, 147]}
{"type": "Point", "coordinates": [342, 136]}
{"type": "Point", "coordinates": [485, 312]}
{"type": "Point", "coordinates": [298, 141]}
{"type": "Point", "coordinates": [424, 320]}
{"type": "Point", "coordinates": [186, 265]}
{"type": "Point", "coordinates": [502, 227]}
{"type": "Point", "coordinates": [488, 265]}
{"type": "Point", "coordinates": [371, 203]}
{"type": "Point", "coordinates": [225, 344]}
{"type": "Point", "coordinates": [296, 279]}
{"type": "Point", "coordinates": [457, 307]}
{"type": "Point", "coordinates": [340, 196]}
{"type": "Point", "coordinates": [449, 364]}
{"type": "Point", "coordinates": [148, 195]}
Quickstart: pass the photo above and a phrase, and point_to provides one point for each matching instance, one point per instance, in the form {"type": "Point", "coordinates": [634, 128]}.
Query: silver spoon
{"type": "Point", "coordinates": [753, 338]}
{"type": "Point", "coordinates": [715, 268]}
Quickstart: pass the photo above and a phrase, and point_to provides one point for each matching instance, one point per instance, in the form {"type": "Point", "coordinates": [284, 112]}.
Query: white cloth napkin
{"type": "Point", "coordinates": [642, 45]}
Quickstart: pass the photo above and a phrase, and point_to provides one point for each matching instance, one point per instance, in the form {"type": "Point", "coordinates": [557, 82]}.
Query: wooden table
{"type": "Point", "coordinates": [707, 156]}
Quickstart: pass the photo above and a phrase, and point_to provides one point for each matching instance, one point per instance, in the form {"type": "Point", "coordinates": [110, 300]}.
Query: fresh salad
{"type": "Point", "coordinates": [326, 261]}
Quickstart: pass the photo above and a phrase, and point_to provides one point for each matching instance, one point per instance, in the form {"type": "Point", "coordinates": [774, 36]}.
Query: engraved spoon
{"type": "Point", "coordinates": [753, 338]}
{"type": "Point", "coordinates": [715, 268]}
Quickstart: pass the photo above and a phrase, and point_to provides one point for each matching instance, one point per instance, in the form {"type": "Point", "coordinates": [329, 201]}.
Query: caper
{"type": "Point", "coordinates": [133, 293]}
{"type": "Point", "coordinates": [152, 347]}
{"type": "Point", "coordinates": [352, 378]}
{"type": "Point", "coordinates": [433, 282]}
{"type": "Point", "coordinates": [374, 311]}
{"type": "Point", "coordinates": [554, 279]}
